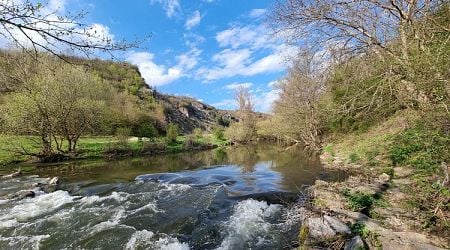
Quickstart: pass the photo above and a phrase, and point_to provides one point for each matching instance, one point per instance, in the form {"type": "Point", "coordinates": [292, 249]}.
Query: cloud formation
{"type": "Point", "coordinates": [234, 86]}
{"type": "Point", "coordinates": [159, 75]}
{"type": "Point", "coordinates": [171, 7]}
{"type": "Point", "coordinates": [256, 13]}
{"type": "Point", "coordinates": [193, 21]}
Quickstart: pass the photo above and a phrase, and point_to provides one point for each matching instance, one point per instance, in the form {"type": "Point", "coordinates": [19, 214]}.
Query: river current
{"type": "Point", "coordinates": [238, 198]}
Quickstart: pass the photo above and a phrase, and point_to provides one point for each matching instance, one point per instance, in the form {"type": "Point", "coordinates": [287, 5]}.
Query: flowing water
{"type": "Point", "coordinates": [220, 199]}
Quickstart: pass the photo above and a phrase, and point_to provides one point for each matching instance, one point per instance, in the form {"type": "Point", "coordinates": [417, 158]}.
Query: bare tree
{"type": "Point", "coordinates": [394, 30]}
{"type": "Point", "coordinates": [36, 26]}
{"type": "Point", "coordinates": [354, 26]}
{"type": "Point", "coordinates": [296, 111]}
{"type": "Point", "coordinates": [245, 130]}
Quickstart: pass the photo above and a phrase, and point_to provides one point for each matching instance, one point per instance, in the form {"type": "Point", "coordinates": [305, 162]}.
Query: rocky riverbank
{"type": "Point", "coordinates": [363, 212]}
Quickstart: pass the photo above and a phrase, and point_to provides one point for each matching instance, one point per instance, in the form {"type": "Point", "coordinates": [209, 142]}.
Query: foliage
{"type": "Point", "coordinates": [198, 132]}
{"type": "Point", "coordinates": [147, 130]}
{"type": "Point", "coordinates": [123, 135]}
{"type": "Point", "coordinates": [358, 201]}
{"type": "Point", "coordinates": [297, 113]}
{"type": "Point", "coordinates": [61, 102]}
{"type": "Point", "coordinates": [172, 131]}
{"type": "Point", "coordinates": [238, 132]}
{"type": "Point", "coordinates": [219, 133]}
{"type": "Point", "coordinates": [420, 148]}
{"type": "Point", "coordinates": [245, 130]}
{"type": "Point", "coordinates": [361, 230]}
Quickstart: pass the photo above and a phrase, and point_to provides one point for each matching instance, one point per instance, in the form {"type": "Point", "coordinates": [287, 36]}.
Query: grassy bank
{"type": "Point", "coordinates": [411, 159]}
{"type": "Point", "coordinates": [17, 149]}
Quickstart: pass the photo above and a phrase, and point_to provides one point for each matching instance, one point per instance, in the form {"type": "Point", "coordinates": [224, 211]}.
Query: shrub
{"type": "Point", "coordinates": [358, 201]}
{"type": "Point", "coordinates": [122, 135]}
{"type": "Point", "coordinates": [353, 157]}
{"type": "Point", "coordinates": [198, 132]}
{"type": "Point", "coordinates": [420, 148]}
{"type": "Point", "coordinates": [219, 134]}
{"type": "Point", "coordinates": [146, 130]}
{"type": "Point", "coordinates": [172, 132]}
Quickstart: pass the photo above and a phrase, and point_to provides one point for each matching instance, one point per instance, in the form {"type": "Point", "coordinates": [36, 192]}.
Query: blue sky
{"type": "Point", "coordinates": [203, 48]}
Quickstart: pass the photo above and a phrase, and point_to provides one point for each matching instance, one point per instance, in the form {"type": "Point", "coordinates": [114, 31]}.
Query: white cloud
{"type": "Point", "coordinates": [225, 104]}
{"type": "Point", "coordinates": [273, 84]}
{"type": "Point", "coordinates": [255, 13]}
{"type": "Point", "coordinates": [241, 62]}
{"type": "Point", "coordinates": [171, 7]}
{"type": "Point", "coordinates": [247, 51]}
{"type": "Point", "coordinates": [189, 60]}
{"type": "Point", "coordinates": [154, 74]}
{"type": "Point", "coordinates": [234, 86]}
{"type": "Point", "coordinates": [193, 40]}
{"type": "Point", "coordinates": [247, 36]}
{"type": "Point", "coordinates": [158, 75]}
{"type": "Point", "coordinates": [264, 101]}
{"type": "Point", "coordinates": [194, 20]}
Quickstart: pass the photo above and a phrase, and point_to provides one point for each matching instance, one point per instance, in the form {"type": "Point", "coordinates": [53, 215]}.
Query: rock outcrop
{"type": "Point", "coordinates": [189, 113]}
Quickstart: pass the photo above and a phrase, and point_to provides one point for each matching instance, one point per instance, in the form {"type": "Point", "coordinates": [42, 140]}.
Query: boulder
{"type": "Point", "coordinates": [319, 228]}
{"type": "Point", "coordinates": [356, 243]}
{"type": "Point", "coordinates": [54, 181]}
{"type": "Point", "coordinates": [18, 173]}
{"type": "Point", "coordinates": [22, 195]}
{"type": "Point", "coordinates": [337, 225]}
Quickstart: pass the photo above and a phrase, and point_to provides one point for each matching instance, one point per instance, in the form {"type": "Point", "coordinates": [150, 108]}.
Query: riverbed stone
{"type": "Point", "coordinates": [326, 227]}
{"type": "Point", "coordinates": [337, 225]}
{"type": "Point", "coordinates": [319, 228]}
{"type": "Point", "coordinates": [54, 181]}
{"type": "Point", "coordinates": [356, 243]}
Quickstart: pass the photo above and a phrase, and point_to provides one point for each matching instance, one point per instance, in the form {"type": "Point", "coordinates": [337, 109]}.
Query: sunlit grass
{"type": "Point", "coordinates": [14, 149]}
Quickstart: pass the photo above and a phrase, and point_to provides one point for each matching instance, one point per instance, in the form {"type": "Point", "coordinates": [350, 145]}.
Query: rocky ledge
{"type": "Point", "coordinates": [331, 222]}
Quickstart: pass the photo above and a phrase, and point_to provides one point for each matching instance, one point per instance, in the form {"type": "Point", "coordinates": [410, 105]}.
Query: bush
{"type": "Point", "coordinates": [190, 142]}
{"type": "Point", "coordinates": [359, 201]}
{"type": "Point", "coordinates": [172, 132]}
{"type": "Point", "coordinates": [353, 157]}
{"type": "Point", "coordinates": [420, 148]}
{"type": "Point", "coordinates": [198, 132]}
{"type": "Point", "coordinates": [237, 132]}
{"type": "Point", "coordinates": [122, 135]}
{"type": "Point", "coordinates": [146, 130]}
{"type": "Point", "coordinates": [219, 134]}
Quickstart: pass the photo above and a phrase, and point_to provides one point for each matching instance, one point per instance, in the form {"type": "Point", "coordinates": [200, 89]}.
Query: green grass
{"type": "Point", "coordinates": [94, 146]}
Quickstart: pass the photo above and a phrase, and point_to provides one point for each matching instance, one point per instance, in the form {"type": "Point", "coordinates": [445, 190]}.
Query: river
{"type": "Point", "coordinates": [235, 198]}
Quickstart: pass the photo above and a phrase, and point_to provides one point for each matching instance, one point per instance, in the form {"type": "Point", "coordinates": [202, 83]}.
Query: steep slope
{"type": "Point", "coordinates": [189, 113]}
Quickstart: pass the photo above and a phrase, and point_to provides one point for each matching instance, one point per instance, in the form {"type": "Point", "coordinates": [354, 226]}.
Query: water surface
{"type": "Point", "coordinates": [220, 199]}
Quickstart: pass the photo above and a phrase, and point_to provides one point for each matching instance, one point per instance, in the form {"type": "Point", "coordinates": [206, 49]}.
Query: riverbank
{"type": "Point", "coordinates": [383, 204]}
{"type": "Point", "coordinates": [20, 149]}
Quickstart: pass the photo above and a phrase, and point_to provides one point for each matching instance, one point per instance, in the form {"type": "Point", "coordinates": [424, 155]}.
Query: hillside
{"type": "Point", "coordinates": [134, 102]}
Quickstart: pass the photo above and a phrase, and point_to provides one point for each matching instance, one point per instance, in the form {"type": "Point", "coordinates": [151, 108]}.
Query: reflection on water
{"type": "Point", "coordinates": [291, 169]}
{"type": "Point", "coordinates": [220, 199]}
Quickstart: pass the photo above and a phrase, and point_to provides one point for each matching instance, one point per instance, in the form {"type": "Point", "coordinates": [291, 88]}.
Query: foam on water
{"type": "Point", "coordinates": [249, 223]}
{"type": "Point", "coordinates": [146, 239]}
{"type": "Point", "coordinates": [43, 204]}
{"type": "Point", "coordinates": [24, 242]}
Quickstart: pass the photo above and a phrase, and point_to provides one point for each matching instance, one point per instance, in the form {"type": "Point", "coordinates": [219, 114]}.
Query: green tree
{"type": "Point", "coordinates": [147, 130]}
{"type": "Point", "coordinates": [172, 132]}
{"type": "Point", "coordinates": [58, 104]}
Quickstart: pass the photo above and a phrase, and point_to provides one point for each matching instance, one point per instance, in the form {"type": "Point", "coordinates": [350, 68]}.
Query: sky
{"type": "Point", "coordinates": [204, 49]}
